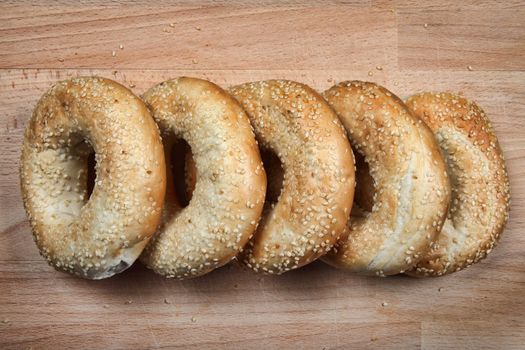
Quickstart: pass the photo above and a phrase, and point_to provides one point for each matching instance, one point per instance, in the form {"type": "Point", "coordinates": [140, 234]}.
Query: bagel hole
{"type": "Point", "coordinates": [364, 188]}
{"type": "Point", "coordinates": [91, 173]}
{"type": "Point", "coordinates": [274, 174]}
{"type": "Point", "coordinates": [184, 172]}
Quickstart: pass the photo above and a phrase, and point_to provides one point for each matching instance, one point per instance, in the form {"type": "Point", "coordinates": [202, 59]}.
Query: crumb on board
{"type": "Point", "coordinates": [384, 304]}
{"type": "Point", "coordinates": [167, 301]}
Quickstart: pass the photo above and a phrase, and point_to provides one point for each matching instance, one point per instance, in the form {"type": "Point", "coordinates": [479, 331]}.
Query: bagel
{"type": "Point", "coordinates": [311, 211]}
{"type": "Point", "coordinates": [100, 235]}
{"type": "Point", "coordinates": [230, 184]}
{"type": "Point", "coordinates": [480, 186]}
{"type": "Point", "coordinates": [412, 192]}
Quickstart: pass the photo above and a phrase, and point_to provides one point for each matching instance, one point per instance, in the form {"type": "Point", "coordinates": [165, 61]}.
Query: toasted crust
{"type": "Point", "coordinates": [317, 192]}
{"type": "Point", "coordinates": [103, 235]}
{"type": "Point", "coordinates": [230, 186]}
{"type": "Point", "coordinates": [480, 186]}
{"type": "Point", "coordinates": [411, 186]}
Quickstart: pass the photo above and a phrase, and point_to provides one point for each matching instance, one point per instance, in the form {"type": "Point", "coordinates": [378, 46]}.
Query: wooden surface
{"type": "Point", "coordinates": [407, 46]}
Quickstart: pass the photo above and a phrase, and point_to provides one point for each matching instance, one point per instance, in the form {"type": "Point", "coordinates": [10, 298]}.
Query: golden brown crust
{"type": "Point", "coordinates": [103, 235]}
{"type": "Point", "coordinates": [411, 187]}
{"type": "Point", "coordinates": [316, 198]}
{"type": "Point", "coordinates": [480, 187]}
{"type": "Point", "coordinates": [230, 186]}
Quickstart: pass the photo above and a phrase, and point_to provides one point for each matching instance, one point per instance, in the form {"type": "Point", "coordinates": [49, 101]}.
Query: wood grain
{"type": "Point", "coordinates": [313, 308]}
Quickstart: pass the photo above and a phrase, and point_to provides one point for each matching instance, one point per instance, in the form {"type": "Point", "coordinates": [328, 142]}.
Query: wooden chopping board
{"type": "Point", "coordinates": [477, 48]}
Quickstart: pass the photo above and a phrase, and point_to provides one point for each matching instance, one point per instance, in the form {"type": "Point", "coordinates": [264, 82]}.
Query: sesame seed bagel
{"type": "Point", "coordinates": [230, 186]}
{"type": "Point", "coordinates": [479, 207]}
{"type": "Point", "coordinates": [100, 235]}
{"type": "Point", "coordinates": [310, 214]}
{"type": "Point", "coordinates": [411, 185]}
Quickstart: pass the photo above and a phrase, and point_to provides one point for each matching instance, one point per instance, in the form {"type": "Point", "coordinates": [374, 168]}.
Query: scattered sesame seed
{"type": "Point", "coordinates": [193, 319]}
{"type": "Point", "coordinates": [113, 53]}
{"type": "Point", "coordinates": [384, 304]}
{"type": "Point", "coordinates": [167, 301]}
{"type": "Point", "coordinates": [121, 47]}
{"type": "Point", "coordinates": [470, 68]}
{"type": "Point", "coordinates": [425, 25]}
